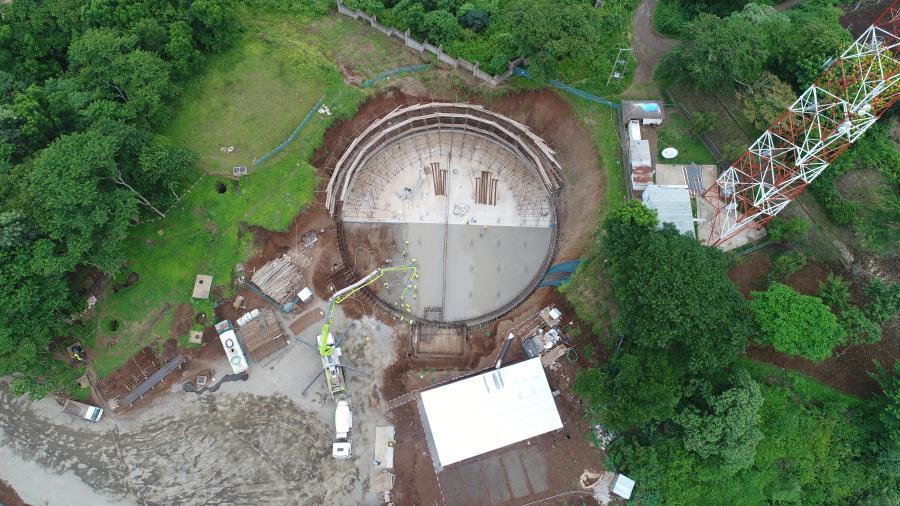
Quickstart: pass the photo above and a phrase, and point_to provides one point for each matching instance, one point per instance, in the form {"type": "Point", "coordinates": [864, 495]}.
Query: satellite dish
{"type": "Point", "coordinates": [669, 153]}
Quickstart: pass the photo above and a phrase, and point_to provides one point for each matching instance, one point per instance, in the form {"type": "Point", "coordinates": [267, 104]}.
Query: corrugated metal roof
{"type": "Point", "coordinates": [672, 205]}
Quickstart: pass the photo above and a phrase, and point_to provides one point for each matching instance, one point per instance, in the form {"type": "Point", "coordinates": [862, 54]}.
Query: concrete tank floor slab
{"type": "Point", "coordinates": [465, 270]}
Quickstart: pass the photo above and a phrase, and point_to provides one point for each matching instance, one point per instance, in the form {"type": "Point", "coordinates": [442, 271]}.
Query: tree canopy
{"type": "Point", "coordinates": [672, 291]}
{"type": "Point", "coordinates": [83, 85]}
{"type": "Point", "coordinates": [724, 430]}
{"type": "Point", "coordinates": [724, 50]}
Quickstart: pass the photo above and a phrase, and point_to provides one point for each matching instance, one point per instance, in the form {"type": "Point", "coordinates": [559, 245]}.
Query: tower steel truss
{"type": "Point", "coordinates": [850, 95]}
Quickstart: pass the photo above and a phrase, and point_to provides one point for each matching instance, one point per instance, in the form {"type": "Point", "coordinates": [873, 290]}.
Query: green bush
{"type": "Point", "coordinates": [796, 324]}
{"type": "Point", "coordinates": [783, 230]}
{"type": "Point", "coordinates": [786, 264]}
{"type": "Point", "coordinates": [835, 292]}
{"type": "Point", "coordinates": [475, 19]}
{"type": "Point", "coordinates": [884, 300]}
{"type": "Point", "coordinates": [859, 328]}
{"type": "Point", "coordinates": [702, 123]}
{"type": "Point", "coordinates": [671, 18]}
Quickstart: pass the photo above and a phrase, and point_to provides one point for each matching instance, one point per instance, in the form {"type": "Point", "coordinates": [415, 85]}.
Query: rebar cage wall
{"type": "Point", "coordinates": [447, 118]}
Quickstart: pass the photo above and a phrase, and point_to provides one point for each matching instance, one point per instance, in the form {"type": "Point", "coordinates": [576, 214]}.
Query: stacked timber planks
{"type": "Point", "coordinates": [282, 277]}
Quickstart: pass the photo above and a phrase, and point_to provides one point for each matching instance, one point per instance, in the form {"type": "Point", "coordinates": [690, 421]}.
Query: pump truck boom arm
{"type": "Point", "coordinates": [326, 349]}
{"type": "Point", "coordinates": [329, 351]}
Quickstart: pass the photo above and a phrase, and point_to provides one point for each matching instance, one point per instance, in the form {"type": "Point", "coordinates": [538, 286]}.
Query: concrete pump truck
{"type": "Point", "coordinates": [330, 352]}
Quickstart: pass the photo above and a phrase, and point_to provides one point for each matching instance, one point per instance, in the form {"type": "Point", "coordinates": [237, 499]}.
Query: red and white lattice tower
{"type": "Point", "coordinates": [849, 96]}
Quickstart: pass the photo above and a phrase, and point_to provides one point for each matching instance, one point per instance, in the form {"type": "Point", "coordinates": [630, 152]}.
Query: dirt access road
{"type": "Point", "coordinates": [647, 45]}
{"type": "Point", "coordinates": [252, 442]}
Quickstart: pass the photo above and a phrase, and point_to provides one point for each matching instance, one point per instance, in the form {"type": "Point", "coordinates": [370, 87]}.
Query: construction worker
{"type": "Point", "coordinates": [77, 352]}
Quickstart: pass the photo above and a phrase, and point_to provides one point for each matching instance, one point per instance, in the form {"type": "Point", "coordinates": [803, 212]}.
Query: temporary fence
{"type": "Point", "coordinates": [560, 273]}
{"type": "Point", "coordinates": [293, 136]}
{"type": "Point", "coordinates": [519, 71]}
{"type": "Point", "coordinates": [394, 72]}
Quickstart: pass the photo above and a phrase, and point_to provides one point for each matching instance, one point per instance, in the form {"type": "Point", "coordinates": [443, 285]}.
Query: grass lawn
{"type": "Point", "coordinates": [252, 97]}
{"type": "Point", "coordinates": [676, 132]}
{"type": "Point", "coordinates": [602, 121]}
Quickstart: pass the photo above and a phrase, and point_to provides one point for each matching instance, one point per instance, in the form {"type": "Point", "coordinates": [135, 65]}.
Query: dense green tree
{"type": "Point", "coordinates": [815, 36]}
{"type": "Point", "coordinates": [440, 26]}
{"type": "Point", "coordinates": [624, 229]}
{"type": "Point", "coordinates": [766, 99]}
{"type": "Point", "coordinates": [644, 389]}
{"type": "Point", "coordinates": [217, 22]}
{"type": "Point", "coordinates": [114, 72]}
{"type": "Point", "coordinates": [14, 230]}
{"type": "Point", "coordinates": [77, 206]}
{"type": "Point", "coordinates": [717, 55]}
{"type": "Point", "coordinates": [887, 407]}
{"type": "Point", "coordinates": [724, 429]}
{"type": "Point", "coordinates": [181, 50]}
{"type": "Point", "coordinates": [475, 19]}
{"type": "Point", "coordinates": [796, 324]}
{"type": "Point", "coordinates": [673, 294]}
{"type": "Point", "coordinates": [36, 35]}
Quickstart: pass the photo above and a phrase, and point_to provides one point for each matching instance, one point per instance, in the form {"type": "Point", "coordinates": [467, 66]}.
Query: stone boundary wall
{"type": "Point", "coordinates": [469, 68]}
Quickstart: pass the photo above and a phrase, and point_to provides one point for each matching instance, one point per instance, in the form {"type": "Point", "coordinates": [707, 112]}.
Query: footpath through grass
{"type": "Point", "coordinates": [252, 98]}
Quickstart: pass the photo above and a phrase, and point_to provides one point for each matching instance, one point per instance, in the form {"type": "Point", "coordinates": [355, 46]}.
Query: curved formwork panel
{"type": "Point", "coordinates": [466, 194]}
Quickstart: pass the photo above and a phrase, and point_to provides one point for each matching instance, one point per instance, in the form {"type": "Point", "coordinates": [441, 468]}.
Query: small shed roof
{"type": "Point", "coordinates": [643, 109]}
{"type": "Point", "coordinates": [202, 286]}
{"type": "Point", "coordinates": [672, 205]}
{"type": "Point", "coordinates": [489, 411]}
{"type": "Point", "coordinates": [623, 486]}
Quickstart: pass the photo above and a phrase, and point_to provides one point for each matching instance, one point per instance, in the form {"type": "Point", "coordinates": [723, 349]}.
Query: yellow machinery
{"type": "Point", "coordinates": [331, 353]}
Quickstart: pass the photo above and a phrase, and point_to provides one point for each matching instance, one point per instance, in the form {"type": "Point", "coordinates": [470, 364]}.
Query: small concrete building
{"type": "Point", "coordinates": [672, 205]}
{"type": "Point", "coordinates": [641, 164]}
{"type": "Point", "coordinates": [648, 112]}
{"type": "Point", "coordinates": [639, 122]}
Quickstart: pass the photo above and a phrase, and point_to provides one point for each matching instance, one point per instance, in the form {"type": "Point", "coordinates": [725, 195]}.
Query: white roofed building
{"type": "Point", "coordinates": [480, 414]}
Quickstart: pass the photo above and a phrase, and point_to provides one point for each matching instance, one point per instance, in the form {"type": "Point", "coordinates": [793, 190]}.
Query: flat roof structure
{"type": "Point", "coordinates": [672, 205]}
{"type": "Point", "coordinates": [623, 486]}
{"type": "Point", "coordinates": [480, 414]}
{"type": "Point", "coordinates": [202, 286]}
{"type": "Point", "coordinates": [648, 111]}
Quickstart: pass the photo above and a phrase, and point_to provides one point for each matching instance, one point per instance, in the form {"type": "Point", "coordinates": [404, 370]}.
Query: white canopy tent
{"type": "Point", "coordinates": [489, 411]}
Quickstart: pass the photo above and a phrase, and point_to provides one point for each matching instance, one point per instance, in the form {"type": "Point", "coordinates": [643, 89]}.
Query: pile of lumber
{"type": "Point", "coordinates": [262, 335]}
{"type": "Point", "coordinates": [282, 277]}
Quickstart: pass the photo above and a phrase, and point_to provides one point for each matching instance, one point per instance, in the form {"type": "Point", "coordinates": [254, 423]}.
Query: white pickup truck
{"type": "Point", "coordinates": [86, 411]}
